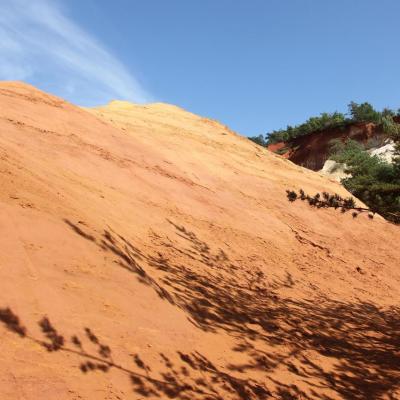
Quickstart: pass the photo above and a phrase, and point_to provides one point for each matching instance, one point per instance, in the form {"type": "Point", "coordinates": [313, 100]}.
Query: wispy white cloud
{"type": "Point", "coordinates": [41, 44]}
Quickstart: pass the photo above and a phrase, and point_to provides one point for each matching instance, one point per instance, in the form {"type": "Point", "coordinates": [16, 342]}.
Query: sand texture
{"type": "Point", "coordinates": [149, 253]}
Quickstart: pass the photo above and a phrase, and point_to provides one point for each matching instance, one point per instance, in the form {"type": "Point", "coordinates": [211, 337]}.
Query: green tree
{"type": "Point", "coordinates": [389, 126]}
{"type": "Point", "coordinates": [374, 181]}
{"type": "Point", "coordinates": [363, 112]}
{"type": "Point", "coordinates": [313, 124]}
{"type": "Point", "coordinates": [259, 140]}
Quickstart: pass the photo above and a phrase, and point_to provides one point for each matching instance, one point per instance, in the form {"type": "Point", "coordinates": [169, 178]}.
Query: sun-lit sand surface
{"type": "Point", "coordinates": [171, 239]}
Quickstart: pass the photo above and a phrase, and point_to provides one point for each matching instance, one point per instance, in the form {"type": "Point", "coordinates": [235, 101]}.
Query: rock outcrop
{"type": "Point", "coordinates": [312, 151]}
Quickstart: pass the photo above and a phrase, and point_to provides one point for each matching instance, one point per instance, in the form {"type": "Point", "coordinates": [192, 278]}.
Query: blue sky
{"type": "Point", "coordinates": [255, 65]}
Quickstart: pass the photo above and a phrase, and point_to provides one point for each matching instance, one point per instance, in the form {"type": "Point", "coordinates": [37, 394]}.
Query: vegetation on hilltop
{"type": "Point", "coordinates": [373, 180]}
{"type": "Point", "coordinates": [363, 112]}
{"type": "Point", "coordinates": [260, 140]}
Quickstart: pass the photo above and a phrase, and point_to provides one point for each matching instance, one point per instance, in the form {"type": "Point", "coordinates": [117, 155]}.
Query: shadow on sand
{"type": "Point", "coordinates": [361, 341]}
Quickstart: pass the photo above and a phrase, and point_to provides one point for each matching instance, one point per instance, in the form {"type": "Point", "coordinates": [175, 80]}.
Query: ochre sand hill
{"type": "Point", "coordinates": [148, 253]}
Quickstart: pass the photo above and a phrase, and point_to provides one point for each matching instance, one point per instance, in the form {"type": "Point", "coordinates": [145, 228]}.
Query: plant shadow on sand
{"type": "Point", "coordinates": [361, 341]}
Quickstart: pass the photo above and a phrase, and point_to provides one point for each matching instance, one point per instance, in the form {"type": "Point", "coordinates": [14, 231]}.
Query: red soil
{"type": "Point", "coordinates": [160, 256]}
{"type": "Point", "coordinates": [311, 151]}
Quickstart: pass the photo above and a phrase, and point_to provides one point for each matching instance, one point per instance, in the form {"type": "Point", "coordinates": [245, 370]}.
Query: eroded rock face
{"type": "Point", "coordinates": [147, 252]}
{"type": "Point", "coordinates": [312, 151]}
{"type": "Point", "coordinates": [334, 170]}
{"type": "Point", "coordinates": [385, 152]}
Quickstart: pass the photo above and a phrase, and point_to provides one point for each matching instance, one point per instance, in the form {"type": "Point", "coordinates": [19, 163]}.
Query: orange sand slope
{"type": "Point", "coordinates": [149, 253]}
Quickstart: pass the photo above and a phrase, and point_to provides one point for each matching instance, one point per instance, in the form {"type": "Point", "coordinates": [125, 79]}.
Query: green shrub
{"type": "Point", "coordinates": [389, 126]}
{"type": "Point", "coordinates": [363, 112]}
{"type": "Point", "coordinates": [259, 140]}
{"type": "Point", "coordinates": [313, 124]}
{"type": "Point", "coordinates": [374, 181]}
